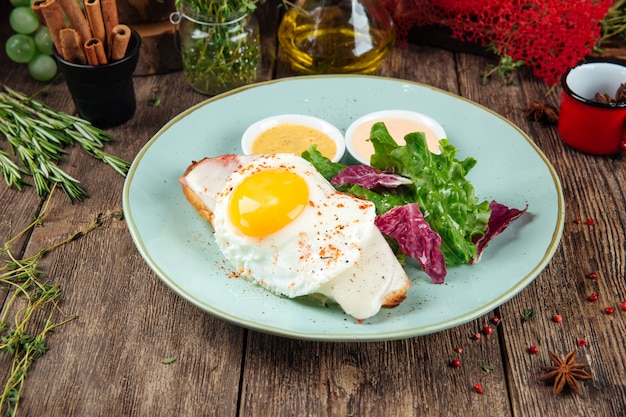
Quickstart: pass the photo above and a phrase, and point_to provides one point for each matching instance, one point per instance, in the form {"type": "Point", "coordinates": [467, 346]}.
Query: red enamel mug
{"type": "Point", "coordinates": [587, 125]}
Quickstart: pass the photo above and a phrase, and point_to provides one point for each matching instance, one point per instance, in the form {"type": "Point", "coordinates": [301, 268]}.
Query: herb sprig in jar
{"type": "Point", "coordinates": [219, 42]}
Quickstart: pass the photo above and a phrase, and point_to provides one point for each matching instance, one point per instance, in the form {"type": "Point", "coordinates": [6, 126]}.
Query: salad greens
{"type": "Point", "coordinates": [445, 197]}
{"type": "Point", "coordinates": [424, 203]}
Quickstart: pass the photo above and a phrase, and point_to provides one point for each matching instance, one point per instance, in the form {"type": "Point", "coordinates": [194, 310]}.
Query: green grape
{"type": "Point", "coordinates": [20, 48]}
{"type": "Point", "coordinates": [43, 40]}
{"type": "Point", "coordinates": [19, 3]}
{"type": "Point", "coordinates": [42, 67]}
{"type": "Point", "coordinates": [23, 20]}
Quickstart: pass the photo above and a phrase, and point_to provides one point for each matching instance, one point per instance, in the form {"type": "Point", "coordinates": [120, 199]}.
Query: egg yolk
{"type": "Point", "coordinates": [267, 201]}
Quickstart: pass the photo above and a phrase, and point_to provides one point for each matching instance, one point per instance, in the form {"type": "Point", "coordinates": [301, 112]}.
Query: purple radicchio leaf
{"type": "Point", "coordinates": [406, 224]}
{"type": "Point", "coordinates": [368, 177]}
{"type": "Point", "coordinates": [500, 218]}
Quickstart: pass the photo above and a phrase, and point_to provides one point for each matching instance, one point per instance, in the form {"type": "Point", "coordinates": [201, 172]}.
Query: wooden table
{"type": "Point", "coordinates": [109, 361]}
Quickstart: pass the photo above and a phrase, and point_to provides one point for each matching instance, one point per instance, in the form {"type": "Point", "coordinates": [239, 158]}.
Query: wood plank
{"type": "Point", "coordinates": [109, 360]}
{"type": "Point", "coordinates": [159, 51]}
{"type": "Point", "coordinates": [144, 11]}
{"type": "Point", "coordinates": [386, 378]}
{"type": "Point", "coordinates": [128, 320]}
{"type": "Point", "coordinates": [435, 67]}
{"type": "Point", "coordinates": [593, 188]}
{"type": "Point", "coordinates": [396, 378]}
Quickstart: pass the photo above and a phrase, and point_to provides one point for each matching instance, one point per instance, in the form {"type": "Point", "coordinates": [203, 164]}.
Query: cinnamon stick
{"type": "Point", "coordinates": [95, 19]}
{"type": "Point", "coordinates": [119, 42]}
{"type": "Point", "coordinates": [94, 49]}
{"type": "Point", "coordinates": [77, 18]}
{"type": "Point", "coordinates": [36, 6]}
{"type": "Point", "coordinates": [53, 19]}
{"type": "Point", "coordinates": [71, 47]}
{"type": "Point", "coordinates": [110, 17]}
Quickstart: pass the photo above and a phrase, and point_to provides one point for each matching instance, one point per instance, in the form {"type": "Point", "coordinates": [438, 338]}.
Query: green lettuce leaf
{"type": "Point", "coordinates": [324, 166]}
{"type": "Point", "coordinates": [440, 188]}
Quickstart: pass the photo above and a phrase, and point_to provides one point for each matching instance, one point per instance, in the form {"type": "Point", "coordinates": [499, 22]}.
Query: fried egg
{"type": "Point", "coordinates": [284, 227]}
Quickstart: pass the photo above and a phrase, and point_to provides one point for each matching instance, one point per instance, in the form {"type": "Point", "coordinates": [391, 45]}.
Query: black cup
{"type": "Point", "coordinates": [103, 94]}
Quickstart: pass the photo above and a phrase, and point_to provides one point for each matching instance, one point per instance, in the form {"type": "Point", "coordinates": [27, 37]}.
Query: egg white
{"type": "Point", "coordinates": [317, 246]}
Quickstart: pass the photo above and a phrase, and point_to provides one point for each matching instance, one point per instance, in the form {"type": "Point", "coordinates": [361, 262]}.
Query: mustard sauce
{"type": "Point", "coordinates": [295, 139]}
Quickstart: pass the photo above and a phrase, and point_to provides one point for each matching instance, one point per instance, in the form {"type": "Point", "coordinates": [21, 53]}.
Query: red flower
{"type": "Point", "coordinates": [548, 35]}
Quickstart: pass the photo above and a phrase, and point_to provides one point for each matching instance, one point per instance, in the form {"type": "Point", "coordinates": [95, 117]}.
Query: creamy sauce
{"type": "Point", "coordinates": [295, 139]}
{"type": "Point", "coordinates": [398, 128]}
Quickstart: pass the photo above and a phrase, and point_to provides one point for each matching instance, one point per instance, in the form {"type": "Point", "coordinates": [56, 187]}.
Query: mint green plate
{"type": "Point", "coordinates": [178, 245]}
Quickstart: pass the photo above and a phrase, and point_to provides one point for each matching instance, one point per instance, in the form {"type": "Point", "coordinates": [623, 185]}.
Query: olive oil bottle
{"type": "Point", "coordinates": [336, 36]}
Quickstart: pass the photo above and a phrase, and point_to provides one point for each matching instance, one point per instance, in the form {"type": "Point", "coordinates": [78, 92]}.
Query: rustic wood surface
{"type": "Point", "coordinates": [108, 362]}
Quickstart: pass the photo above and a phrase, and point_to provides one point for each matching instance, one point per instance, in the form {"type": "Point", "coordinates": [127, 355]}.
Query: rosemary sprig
{"type": "Point", "coordinates": [613, 23]}
{"type": "Point", "coordinates": [31, 311]}
{"type": "Point", "coordinates": [37, 135]}
{"type": "Point", "coordinates": [10, 171]}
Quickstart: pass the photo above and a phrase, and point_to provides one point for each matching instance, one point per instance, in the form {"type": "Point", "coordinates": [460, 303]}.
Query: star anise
{"type": "Point", "coordinates": [539, 112]}
{"type": "Point", "coordinates": [565, 371]}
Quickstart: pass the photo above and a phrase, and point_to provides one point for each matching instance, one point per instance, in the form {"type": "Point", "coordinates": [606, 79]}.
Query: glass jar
{"type": "Point", "coordinates": [336, 36]}
{"type": "Point", "coordinates": [218, 53]}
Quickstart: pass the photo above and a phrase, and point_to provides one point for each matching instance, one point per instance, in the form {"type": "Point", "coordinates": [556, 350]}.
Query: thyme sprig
{"type": "Point", "coordinates": [37, 135]}
{"type": "Point", "coordinates": [220, 51]}
{"type": "Point", "coordinates": [31, 310]}
{"type": "Point", "coordinates": [220, 9]}
{"type": "Point", "coordinates": [505, 69]}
